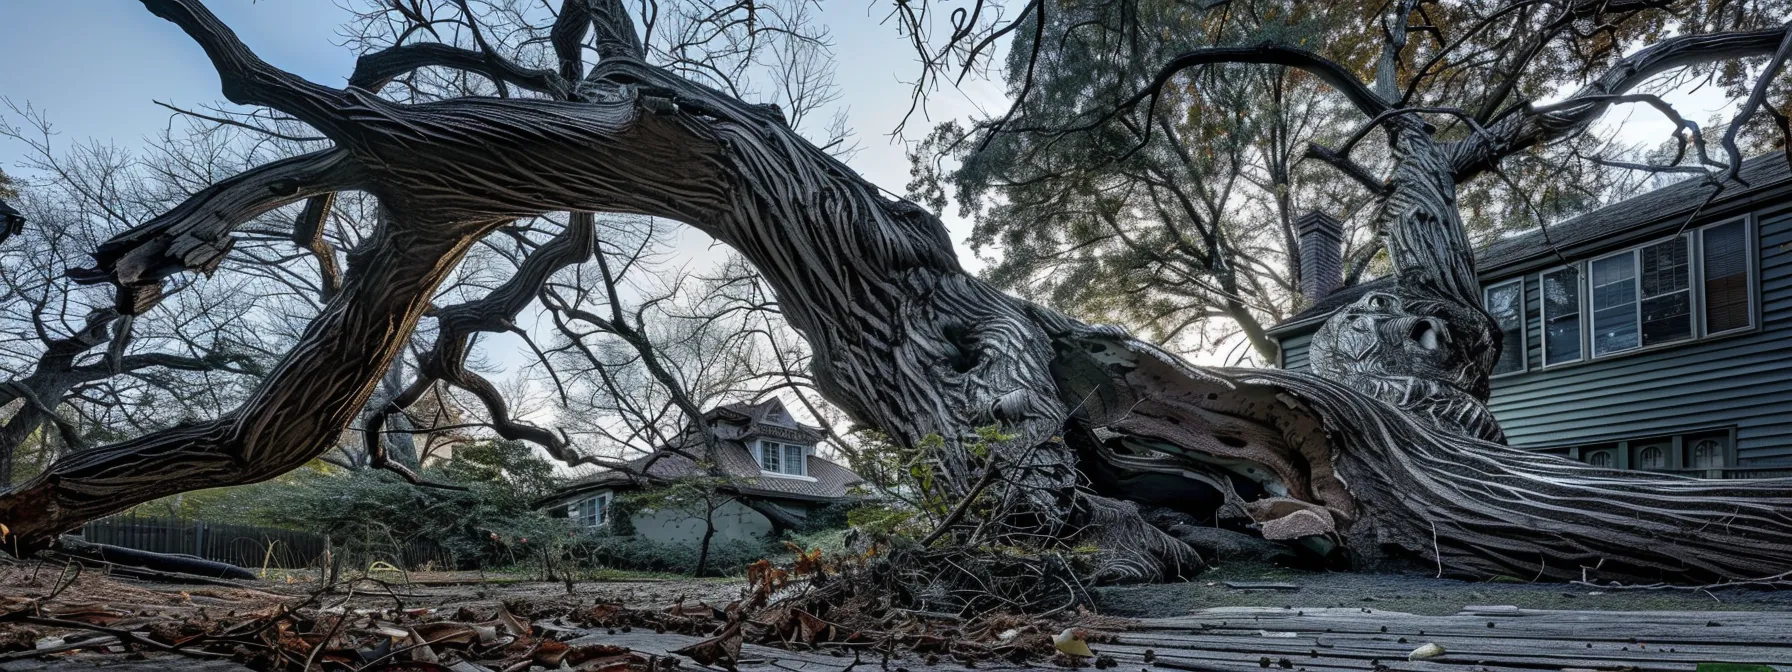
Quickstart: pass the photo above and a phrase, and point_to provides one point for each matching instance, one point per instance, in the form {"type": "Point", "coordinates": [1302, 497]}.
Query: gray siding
{"type": "Point", "coordinates": [1294, 351]}
{"type": "Point", "coordinates": [1742, 381]}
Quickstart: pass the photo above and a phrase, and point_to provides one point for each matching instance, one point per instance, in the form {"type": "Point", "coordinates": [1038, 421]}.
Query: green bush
{"type": "Point", "coordinates": [375, 515]}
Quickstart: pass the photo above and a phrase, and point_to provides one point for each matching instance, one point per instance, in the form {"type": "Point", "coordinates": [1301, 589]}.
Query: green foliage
{"type": "Point", "coordinates": [8, 190]}
{"type": "Point", "coordinates": [883, 522]}
{"type": "Point", "coordinates": [908, 496]}
{"type": "Point", "coordinates": [375, 515]}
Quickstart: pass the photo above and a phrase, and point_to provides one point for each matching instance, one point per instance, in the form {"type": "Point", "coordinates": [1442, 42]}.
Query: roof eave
{"type": "Point", "coordinates": [1739, 202]}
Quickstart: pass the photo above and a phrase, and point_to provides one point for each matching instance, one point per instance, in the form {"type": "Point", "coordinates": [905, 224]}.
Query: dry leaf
{"type": "Point", "coordinates": [722, 649]}
{"type": "Point", "coordinates": [1072, 641]}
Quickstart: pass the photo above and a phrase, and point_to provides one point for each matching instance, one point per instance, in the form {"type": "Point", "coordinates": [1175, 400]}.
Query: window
{"type": "Point", "coordinates": [1666, 283]}
{"type": "Point", "coordinates": [783, 458]}
{"type": "Point", "coordinates": [1561, 316]}
{"type": "Point", "coordinates": [590, 512]}
{"type": "Point", "coordinates": [1505, 302]}
{"type": "Point", "coordinates": [1642, 297]}
{"type": "Point", "coordinates": [770, 458]}
{"type": "Point", "coordinates": [794, 460]}
{"type": "Point", "coordinates": [1614, 303]}
{"type": "Point", "coordinates": [1706, 454]}
{"type": "Point", "coordinates": [1602, 458]}
{"type": "Point", "coordinates": [1725, 255]}
{"type": "Point", "coordinates": [1652, 457]}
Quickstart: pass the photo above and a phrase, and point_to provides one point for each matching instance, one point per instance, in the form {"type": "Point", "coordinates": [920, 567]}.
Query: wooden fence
{"type": "Point", "coordinates": [246, 546]}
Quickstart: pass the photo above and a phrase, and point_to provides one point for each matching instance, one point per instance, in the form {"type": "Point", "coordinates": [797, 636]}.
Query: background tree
{"type": "Point", "coordinates": [1180, 220]}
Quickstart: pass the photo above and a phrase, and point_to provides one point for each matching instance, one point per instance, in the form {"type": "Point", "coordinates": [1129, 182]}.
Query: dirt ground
{"type": "Point", "coordinates": [1410, 593]}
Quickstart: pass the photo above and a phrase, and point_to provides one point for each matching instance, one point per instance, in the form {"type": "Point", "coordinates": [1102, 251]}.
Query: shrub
{"type": "Point", "coordinates": [375, 515]}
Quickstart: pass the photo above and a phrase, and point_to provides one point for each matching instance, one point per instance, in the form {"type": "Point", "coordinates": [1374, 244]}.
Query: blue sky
{"type": "Point", "coordinates": [95, 67]}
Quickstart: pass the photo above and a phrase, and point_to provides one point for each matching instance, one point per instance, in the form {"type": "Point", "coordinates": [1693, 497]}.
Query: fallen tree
{"type": "Point", "coordinates": [1387, 448]}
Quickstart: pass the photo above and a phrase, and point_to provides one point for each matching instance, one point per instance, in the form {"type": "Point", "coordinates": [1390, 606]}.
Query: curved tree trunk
{"type": "Point", "coordinates": [1389, 448]}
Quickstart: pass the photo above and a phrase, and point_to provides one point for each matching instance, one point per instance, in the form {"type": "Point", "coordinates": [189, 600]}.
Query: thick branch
{"type": "Point", "coordinates": [308, 234]}
{"type": "Point", "coordinates": [195, 235]}
{"type": "Point", "coordinates": [247, 79]}
{"type": "Point", "coordinates": [496, 311]}
{"type": "Point", "coordinates": [1526, 125]}
{"type": "Point", "coordinates": [616, 37]}
{"type": "Point", "coordinates": [373, 71]}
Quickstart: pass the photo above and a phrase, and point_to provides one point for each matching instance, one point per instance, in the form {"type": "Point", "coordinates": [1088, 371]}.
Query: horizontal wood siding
{"type": "Point", "coordinates": [1294, 351]}
{"type": "Point", "coordinates": [1742, 381]}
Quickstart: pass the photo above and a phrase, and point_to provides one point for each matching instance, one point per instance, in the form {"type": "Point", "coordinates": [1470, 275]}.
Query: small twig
{"type": "Point", "coordinates": [964, 505]}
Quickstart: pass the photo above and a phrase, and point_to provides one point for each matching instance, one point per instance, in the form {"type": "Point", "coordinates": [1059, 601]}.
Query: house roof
{"type": "Point", "coordinates": [735, 426]}
{"type": "Point", "coordinates": [1617, 225]}
{"type": "Point", "coordinates": [1599, 227]}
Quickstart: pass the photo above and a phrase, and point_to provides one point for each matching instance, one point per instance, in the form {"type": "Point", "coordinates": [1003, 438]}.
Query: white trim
{"type": "Point", "coordinates": [1524, 323]}
{"type": "Point", "coordinates": [794, 477]}
{"type": "Point", "coordinates": [785, 465]}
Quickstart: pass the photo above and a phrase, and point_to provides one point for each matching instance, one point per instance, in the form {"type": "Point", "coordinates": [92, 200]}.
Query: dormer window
{"type": "Point", "coordinates": [782, 458]}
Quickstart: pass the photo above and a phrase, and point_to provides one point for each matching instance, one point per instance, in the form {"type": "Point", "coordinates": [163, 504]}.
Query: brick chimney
{"type": "Point", "coordinates": [1321, 255]}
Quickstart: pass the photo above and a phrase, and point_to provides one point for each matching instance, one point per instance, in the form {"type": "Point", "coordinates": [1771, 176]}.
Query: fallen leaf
{"type": "Point", "coordinates": [722, 649]}
{"type": "Point", "coordinates": [1072, 641]}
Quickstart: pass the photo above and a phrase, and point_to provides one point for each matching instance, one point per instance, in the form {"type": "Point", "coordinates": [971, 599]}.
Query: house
{"type": "Point", "coordinates": [768, 463]}
{"type": "Point", "coordinates": [1651, 334]}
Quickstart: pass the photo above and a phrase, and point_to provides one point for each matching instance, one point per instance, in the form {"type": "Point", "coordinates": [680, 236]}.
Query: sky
{"type": "Point", "coordinates": [96, 67]}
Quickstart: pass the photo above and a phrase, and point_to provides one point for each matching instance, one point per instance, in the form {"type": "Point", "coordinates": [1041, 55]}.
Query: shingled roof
{"type": "Point", "coordinates": [735, 425]}
{"type": "Point", "coordinates": [1609, 226]}
{"type": "Point", "coordinates": [1617, 225]}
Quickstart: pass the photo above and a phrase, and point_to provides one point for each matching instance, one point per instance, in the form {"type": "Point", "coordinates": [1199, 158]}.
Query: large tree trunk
{"type": "Point", "coordinates": [1388, 449]}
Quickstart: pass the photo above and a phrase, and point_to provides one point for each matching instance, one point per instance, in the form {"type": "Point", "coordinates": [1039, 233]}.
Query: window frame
{"type": "Point", "coordinates": [1524, 323]}
{"type": "Point", "coordinates": [801, 464]}
{"type": "Point", "coordinates": [1695, 241]}
{"type": "Point", "coordinates": [1695, 288]}
{"type": "Point", "coordinates": [1636, 301]}
{"type": "Point", "coordinates": [602, 512]}
{"type": "Point", "coordinates": [1581, 301]}
{"type": "Point", "coordinates": [1751, 254]}
{"type": "Point", "coordinates": [1694, 291]}
{"type": "Point", "coordinates": [759, 454]}
{"type": "Point", "coordinates": [760, 448]}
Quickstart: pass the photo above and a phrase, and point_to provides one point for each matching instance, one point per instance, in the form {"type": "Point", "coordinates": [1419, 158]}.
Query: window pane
{"type": "Point", "coordinates": [1561, 316]}
{"type": "Point", "coordinates": [1614, 304]}
{"type": "Point", "coordinates": [1506, 304]}
{"type": "Point", "coordinates": [793, 460]}
{"type": "Point", "coordinates": [768, 456]}
{"type": "Point", "coordinates": [1667, 303]}
{"type": "Point", "coordinates": [1664, 267]}
{"type": "Point", "coordinates": [1726, 278]}
{"type": "Point", "coordinates": [1667, 318]}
